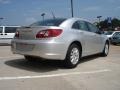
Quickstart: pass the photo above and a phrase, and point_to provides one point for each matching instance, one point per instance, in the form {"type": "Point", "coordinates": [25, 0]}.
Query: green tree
{"type": "Point", "coordinates": [115, 22]}
{"type": "Point", "coordinates": [104, 24]}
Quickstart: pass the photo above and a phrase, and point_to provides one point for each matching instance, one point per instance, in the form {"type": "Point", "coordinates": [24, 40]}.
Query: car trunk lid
{"type": "Point", "coordinates": [29, 33]}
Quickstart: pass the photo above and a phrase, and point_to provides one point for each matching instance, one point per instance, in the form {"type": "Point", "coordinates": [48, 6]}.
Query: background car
{"type": "Point", "coordinates": [60, 39]}
{"type": "Point", "coordinates": [7, 34]}
{"type": "Point", "coordinates": [110, 33]}
{"type": "Point", "coordinates": [116, 38]}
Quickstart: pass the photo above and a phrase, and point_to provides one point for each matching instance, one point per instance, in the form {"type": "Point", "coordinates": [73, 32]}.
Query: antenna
{"type": "Point", "coordinates": [53, 15]}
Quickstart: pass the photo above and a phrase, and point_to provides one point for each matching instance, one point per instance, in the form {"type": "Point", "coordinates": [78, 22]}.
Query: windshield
{"type": "Point", "coordinates": [117, 34]}
{"type": "Point", "coordinates": [1, 29]}
{"type": "Point", "coordinates": [49, 22]}
{"type": "Point", "coordinates": [109, 33]}
{"type": "Point", "coordinates": [10, 29]}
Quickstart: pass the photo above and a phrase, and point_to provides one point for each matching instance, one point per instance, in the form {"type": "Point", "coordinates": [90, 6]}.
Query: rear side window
{"type": "Point", "coordinates": [76, 25]}
{"type": "Point", "coordinates": [10, 29]}
{"type": "Point", "coordinates": [1, 29]}
{"type": "Point", "coordinates": [49, 22]}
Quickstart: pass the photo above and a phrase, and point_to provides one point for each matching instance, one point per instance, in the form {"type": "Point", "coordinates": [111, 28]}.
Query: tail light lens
{"type": "Point", "coordinates": [49, 33]}
{"type": "Point", "coordinates": [17, 34]}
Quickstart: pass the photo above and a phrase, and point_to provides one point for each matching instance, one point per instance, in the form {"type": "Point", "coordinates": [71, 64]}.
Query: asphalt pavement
{"type": "Point", "coordinates": [93, 73]}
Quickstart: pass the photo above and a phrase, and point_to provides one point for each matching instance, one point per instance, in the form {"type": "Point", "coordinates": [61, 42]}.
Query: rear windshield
{"type": "Point", "coordinates": [108, 33]}
{"type": "Point", "coordinates": [1, 29]}
{"type": "Point", "coordinates": [10, 29]}
{"type": "Point", "coordinates": [49, 22]}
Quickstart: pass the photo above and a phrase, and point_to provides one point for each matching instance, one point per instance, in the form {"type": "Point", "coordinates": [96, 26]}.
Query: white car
{"type": "Point", "coordinates": [7, 34]}
{"type": "Point", "coordinates": [109, 34]}
{"type": "Point", "coordinates": [60, 39]}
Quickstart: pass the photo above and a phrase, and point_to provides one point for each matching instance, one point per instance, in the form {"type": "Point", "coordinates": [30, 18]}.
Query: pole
{"type": "Point", "coordinates": [72, 8]}
{"type": "Point", "coordinates": [99, 19]}
{"type": "Point", "coordinates": [1, 18]}
{"type": "Point", "coordinates": [43, 14]}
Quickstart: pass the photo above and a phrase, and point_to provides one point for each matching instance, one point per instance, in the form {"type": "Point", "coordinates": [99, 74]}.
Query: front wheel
{"type": "Point", "coordinates": [106, 50]}
{"type": "Point", "coordinates": [73, 56]}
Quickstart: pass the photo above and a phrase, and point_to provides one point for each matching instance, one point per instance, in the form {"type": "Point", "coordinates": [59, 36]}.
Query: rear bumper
{"type": "Point", "coordinates": [43, 49]}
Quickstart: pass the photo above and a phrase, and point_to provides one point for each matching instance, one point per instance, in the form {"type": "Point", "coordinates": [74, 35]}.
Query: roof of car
{"type": "Point", "coordinates": [9, 26]}
{"type": "Point", "coordinates": [75, 18]}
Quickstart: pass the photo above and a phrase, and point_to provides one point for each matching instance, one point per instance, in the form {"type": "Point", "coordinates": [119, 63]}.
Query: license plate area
{"type": "Point", "coordinates": [24, 47]}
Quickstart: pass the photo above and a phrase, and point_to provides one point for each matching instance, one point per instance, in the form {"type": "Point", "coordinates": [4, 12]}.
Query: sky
{"type": "Point", "coordinates": [25, 12]}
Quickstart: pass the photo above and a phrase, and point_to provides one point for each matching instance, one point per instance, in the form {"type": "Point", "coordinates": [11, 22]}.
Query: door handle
{"type": "Point", "coordinates": [1, 34]}
{"type": "Point", "coordinates": [5, 34]}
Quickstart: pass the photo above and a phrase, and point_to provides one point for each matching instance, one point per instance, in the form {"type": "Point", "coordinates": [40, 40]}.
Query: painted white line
{"type": "Point", "coordinates": [11, 57]}
{"type": "Point", "coordinates": [53, 75]}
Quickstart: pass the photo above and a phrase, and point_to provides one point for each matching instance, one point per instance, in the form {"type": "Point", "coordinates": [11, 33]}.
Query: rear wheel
{"type": "Point", "coordinates": [73, 56]}
{"type": "Point", "coordinates": [106, 49]}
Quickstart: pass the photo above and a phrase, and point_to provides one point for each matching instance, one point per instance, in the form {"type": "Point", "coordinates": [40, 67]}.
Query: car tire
{"type": "Point", "coordinates": [106, 50]}
{"type": "Point", "coordinates": [29, 58]}
{"type": "Point", "coordinates": [114, 43]}
{"type": "Point", "coordinates": [73, 56]}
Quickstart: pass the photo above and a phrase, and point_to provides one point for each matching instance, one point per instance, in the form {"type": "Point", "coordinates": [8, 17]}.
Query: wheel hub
{"type": "Point", "coordinates": [74, 57]}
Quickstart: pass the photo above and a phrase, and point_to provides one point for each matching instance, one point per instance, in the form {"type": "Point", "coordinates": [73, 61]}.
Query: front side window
{"type": "Point", "coordinates": [10, 29]}
{"type": "Point", "coordinates": [81, 25]}
{"type": "Point", "coordinates": [1, 29]}
{"type": "Point", "coordinates": [92, 28]}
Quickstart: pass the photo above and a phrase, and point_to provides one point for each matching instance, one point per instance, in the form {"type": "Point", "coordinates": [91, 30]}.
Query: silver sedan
{"type": "Point", "coordinates": [60, 39]}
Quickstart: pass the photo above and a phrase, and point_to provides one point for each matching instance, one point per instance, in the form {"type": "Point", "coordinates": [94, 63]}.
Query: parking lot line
{"type": "Point", "coordinates": [53, 75]}
{"type": "Point", "coordinates": [11, 57]}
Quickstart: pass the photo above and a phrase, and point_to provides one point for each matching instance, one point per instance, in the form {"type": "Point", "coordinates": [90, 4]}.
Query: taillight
{"type": "Point", "coordinates": [17, 34]}
{"type": "Point", "coordinates": [49, 33]}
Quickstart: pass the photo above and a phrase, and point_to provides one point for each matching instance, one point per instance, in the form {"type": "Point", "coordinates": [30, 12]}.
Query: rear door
{"type": "Point", "coordinates": [85, 37]}
{"type": "Point", "coordinates": [96, 38]}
